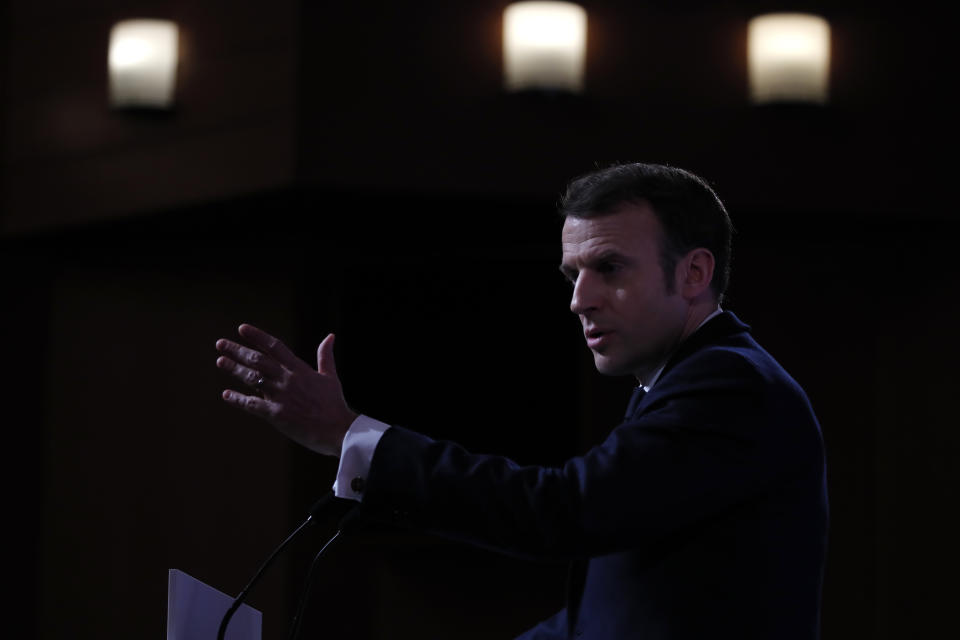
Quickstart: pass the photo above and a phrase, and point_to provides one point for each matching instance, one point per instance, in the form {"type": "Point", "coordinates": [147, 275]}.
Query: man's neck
{"type": "Point", "coordinates": [698, 314]}
{"type": "Point", "coordinates": [655, 374]}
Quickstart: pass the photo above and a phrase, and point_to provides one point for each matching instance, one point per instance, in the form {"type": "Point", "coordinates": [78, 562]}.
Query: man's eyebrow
{"type": "Point", "coordinates": [605, 255]}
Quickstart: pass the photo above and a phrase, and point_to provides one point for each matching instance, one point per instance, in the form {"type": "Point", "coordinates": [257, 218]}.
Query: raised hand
{"type": "Point", "coordinates": [306, 405]}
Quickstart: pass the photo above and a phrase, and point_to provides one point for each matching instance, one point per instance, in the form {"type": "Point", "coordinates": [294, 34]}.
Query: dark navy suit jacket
{"type": "Point", "coordinates": [702, 515]}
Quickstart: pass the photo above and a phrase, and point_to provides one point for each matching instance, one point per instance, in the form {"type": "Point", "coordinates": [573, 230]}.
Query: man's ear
{"type": "Point", "coordinates": [695, 272]}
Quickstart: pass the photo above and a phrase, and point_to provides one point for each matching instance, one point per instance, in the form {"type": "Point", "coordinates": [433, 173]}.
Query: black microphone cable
{"type": "Point", "coordinates": [317, 507]}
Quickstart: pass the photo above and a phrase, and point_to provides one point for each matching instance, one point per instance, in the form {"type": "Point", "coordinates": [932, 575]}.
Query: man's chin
{"type": "Point", "coordinates": [608, 366]}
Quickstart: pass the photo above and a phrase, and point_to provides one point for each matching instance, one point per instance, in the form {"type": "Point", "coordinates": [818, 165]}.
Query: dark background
{"type": "Point", "coordinates": [357, 168]}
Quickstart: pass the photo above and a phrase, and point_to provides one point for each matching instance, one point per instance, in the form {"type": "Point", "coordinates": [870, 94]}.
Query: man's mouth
{"type": "Point", "coordinates": [596, 338]}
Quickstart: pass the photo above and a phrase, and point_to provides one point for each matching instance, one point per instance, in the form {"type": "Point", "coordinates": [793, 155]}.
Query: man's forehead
{"type": "Point", "coordinates": [626, 229]}
{"type": "Point", "coordinates": [593, 242]}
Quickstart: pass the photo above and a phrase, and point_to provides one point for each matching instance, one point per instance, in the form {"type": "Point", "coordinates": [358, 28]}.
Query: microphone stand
{"type": "Point", "coordinates": [308, 582]}
{"type": "Point", "coordinates": [315, 510]}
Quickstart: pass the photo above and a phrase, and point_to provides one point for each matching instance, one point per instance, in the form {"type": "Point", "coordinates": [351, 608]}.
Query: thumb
{"type": "Point", "coordinates": [325, 362]}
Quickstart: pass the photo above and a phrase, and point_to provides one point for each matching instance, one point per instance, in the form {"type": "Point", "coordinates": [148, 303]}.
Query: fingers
{"type": "Point", "coordinates": [325, 361]}
{"type": "Point", "coordinates": [257, 379]}
{"type": "Point", "coordinates": [251, 358]}
{"type": "Point", "coordinates": [251, 404]}
{"type": "Point", "coordinates": [268, 344]}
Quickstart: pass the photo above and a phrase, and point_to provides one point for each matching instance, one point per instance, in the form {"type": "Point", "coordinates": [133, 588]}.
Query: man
{"type": "Point", "coordinates": [702, 515]}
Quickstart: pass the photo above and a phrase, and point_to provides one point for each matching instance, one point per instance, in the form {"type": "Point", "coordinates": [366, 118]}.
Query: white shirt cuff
{"type": "Point", "coordinates": [356, 455]}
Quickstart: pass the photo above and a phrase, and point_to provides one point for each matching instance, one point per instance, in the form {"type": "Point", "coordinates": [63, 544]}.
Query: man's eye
{"type": "Point", "coordinates": [608, 267]}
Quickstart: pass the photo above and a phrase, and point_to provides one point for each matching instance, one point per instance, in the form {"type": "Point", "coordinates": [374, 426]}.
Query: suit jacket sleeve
{"type": "Point", "coordinates": [722, 428]}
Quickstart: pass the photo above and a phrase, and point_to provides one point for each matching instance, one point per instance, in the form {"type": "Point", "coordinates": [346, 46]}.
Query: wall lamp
{"type": "Point", "coordinates": [544, 46]}
{"type": "Point", "coordinates": [788, 58]}
{"type": "Point", "coordinates": [142, 62]}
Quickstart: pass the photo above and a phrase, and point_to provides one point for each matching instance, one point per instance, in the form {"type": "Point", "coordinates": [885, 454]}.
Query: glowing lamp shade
{"type": "Point", "coordinates": [143, 63]}
{"type": "Point", "coordinates": [788, 58]}
{"type": "Point", "coordinates": [544, 46]}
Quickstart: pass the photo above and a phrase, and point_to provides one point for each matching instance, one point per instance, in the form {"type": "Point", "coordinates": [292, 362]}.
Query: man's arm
{"type": "Point", "coordinates": [717, 433]}
{"type": "Point", "coordinates": [705, 445]}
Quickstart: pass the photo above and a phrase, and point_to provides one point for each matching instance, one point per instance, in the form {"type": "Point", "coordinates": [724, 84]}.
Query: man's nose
{"type": "Point", "coordinates": [585, 294]}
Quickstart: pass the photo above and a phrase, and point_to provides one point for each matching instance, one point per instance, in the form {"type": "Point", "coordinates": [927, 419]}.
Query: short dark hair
{"type": "Point", "coordinates": [689, 211]}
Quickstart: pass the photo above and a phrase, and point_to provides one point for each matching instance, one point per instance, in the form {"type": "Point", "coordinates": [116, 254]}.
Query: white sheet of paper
{"type": "Point", "coordinates": [195, 609]}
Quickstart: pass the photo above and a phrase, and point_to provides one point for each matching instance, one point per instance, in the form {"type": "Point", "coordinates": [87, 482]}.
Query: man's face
{"type": "Point", "coordinates": [630, 322]}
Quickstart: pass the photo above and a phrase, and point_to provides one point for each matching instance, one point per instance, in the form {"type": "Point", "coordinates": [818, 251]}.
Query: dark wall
{"type": "Point", "coordinates": [372, 179]}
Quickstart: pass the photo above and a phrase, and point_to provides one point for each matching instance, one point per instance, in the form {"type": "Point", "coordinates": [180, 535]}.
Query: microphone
{"type": "Point", "coordinates": [345, 522]}
{"type": "Point", "coordinates": [318, 507]}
